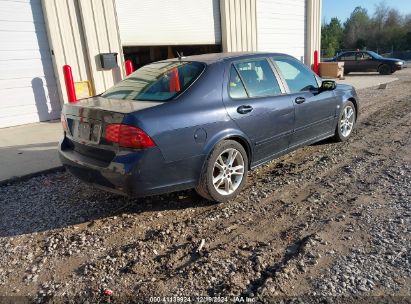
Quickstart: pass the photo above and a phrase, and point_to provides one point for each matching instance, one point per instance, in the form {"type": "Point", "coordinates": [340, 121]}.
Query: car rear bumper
{"type": "Point", "coordinates": [133, 173]}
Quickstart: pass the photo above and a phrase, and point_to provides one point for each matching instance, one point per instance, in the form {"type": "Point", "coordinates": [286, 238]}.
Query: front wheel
{"type": "Point", "coordinates": [346, 122]}
{"type": "Point", "coordinates": [225, 172]}
{"type": "Point", "coordinates": [385, 69]}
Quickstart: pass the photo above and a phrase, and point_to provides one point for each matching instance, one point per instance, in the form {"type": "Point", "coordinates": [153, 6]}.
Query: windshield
{"type": "Point", "coordinates": [160, 81]}
{"type": "Point", "coordinates": [375, 55]}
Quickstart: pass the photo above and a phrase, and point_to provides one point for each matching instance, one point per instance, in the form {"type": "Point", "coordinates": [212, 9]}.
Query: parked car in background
{"type": "Point", "coordinates": [367, 61]}
{"type": "Point", "coordinates": [201, 122]}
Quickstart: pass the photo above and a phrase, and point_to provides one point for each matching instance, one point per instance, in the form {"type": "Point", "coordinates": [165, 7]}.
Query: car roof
{"type": "Point", "coordinates": [345, 52]}
{"type": "Point", "coordinates": [218, 57]}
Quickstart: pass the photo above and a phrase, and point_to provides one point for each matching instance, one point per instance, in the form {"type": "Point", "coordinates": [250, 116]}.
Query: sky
{"type": "Point", "coordinates": [343, 9]}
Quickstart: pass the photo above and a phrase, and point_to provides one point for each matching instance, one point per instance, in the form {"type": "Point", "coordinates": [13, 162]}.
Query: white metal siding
{"type": "Point", "coordinates": [238, 24]}
{"type": "Point", "coordinates": [281, 26]}
{"type": "Point", "coordinates": [28, 91]}
{"type": "Point", "coordinates": [169, 22]}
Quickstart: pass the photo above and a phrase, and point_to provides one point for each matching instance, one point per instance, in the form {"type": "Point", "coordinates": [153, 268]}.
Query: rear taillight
{"type": "Point", "coordinates": [128, 136]}
{"type": "Point", "coordinates": [64, 122]}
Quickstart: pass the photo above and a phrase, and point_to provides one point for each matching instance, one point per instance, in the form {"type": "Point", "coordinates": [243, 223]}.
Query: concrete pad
{"type": "Point", "coordinates": [366, 80]}
{"type": "Point", "coordinates": [29, 149]}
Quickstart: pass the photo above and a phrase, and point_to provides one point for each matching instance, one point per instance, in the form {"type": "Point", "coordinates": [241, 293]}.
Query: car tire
{"type": "Point", "coordinates": [224, 173]}
{"type": "Point", "coordinates": [385, 69]}
{"type": "Point", "coordinates": [346, 122]}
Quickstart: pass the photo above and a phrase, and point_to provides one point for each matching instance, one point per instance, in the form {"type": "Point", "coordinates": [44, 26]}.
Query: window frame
{"type": "Point", "coordinates": [233, 63]}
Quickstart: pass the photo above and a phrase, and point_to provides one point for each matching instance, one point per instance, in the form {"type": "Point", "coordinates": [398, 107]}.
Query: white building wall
{"type": "Point", "coordinates": [79, 30]}
{"type": "Point", "coordinates": [238, 24]}
{"type": "Point", "coordinates": [313, 42]}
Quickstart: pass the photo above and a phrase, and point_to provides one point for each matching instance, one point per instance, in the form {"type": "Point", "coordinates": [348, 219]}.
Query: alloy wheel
{"type": "Point", "coordinates": [228, 171]}
{"type": "Point", "coordinates": [347, 121]}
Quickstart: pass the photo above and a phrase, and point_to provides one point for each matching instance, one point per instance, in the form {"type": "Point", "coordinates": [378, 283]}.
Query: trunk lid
{"type": "Point", "coordinates": [94, 105]}
{"type": "Point", "coordinates": [88, 118]}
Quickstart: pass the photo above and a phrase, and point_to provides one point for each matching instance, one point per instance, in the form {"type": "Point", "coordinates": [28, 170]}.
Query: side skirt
{"type": "Point", "coordinates": [292, 148]}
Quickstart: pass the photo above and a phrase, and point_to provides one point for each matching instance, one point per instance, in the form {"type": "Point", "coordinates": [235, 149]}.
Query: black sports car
{"type": "Point", "coordinates": [367, 61]}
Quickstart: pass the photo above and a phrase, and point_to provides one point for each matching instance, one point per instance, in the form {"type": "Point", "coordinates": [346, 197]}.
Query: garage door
{"type": "Point", "coordinates": [28, 91]}
{"type": "Point", "coordinates": [169, 22]}
{"type": "Point", "coordinates": [281, 26]}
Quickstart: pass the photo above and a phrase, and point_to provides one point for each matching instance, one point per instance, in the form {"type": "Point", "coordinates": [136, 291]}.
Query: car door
{"type": "Point", "coordinates": [349, 61]}
{"type": "Point", "coordinates": [314, 110]}
{"type": "Point", "coordinates": [366, 63]}
{"type": "Point", "coordinates": [257, 103]}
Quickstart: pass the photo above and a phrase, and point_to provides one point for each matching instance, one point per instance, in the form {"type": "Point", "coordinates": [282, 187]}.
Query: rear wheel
{"type": "Point", "coordinates": [384, 69]}
{"type": "Point", "coordinates": [225, 172]}
{"type": "Point", "coordinates": [346, 122]}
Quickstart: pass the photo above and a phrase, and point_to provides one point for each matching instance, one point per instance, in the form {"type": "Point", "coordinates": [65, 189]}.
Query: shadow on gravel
{"type": "Point", "coordinates": [59, 200]}
{"type": "Point", "coordinates": [327, 141]}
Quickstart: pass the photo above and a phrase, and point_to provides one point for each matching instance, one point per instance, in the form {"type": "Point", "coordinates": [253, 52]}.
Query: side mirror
{"type": "Point", "coordinates": [328, 85]}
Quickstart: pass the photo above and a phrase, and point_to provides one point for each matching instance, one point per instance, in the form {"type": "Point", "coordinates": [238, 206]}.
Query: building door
{"type": "Point", "coordinates": [281, 26]}
{"type": "Point", "coordinates": [27, 83]}
{"type": "Point", "coordinates": [169, 22]}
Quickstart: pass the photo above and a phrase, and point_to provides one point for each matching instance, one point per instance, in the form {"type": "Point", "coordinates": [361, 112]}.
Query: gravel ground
{"type": "Point", "coordinates": [327, 223]}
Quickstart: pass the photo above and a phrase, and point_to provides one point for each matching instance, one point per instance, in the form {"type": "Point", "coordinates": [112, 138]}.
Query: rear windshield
{"type": "Point", "coordinates": [160, 81]}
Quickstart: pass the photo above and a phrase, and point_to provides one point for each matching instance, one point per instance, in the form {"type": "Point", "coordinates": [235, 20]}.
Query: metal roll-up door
{"type": "Point", "coordinates": [28, 91]}
{"type": "Point", "coordinates": [169, 22]}
{"type": "Point", "coordinates": [281, 26]}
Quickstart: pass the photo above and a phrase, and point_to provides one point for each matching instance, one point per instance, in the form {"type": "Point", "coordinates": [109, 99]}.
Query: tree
{"type": "Point", "coordinates": [356, 28]}
{"type": "Point", "coordinates": [378, 23]}
{"type": "Point", "coordinates": [332, 37]}
{"type": "Point", "coordinates": [387, 29]}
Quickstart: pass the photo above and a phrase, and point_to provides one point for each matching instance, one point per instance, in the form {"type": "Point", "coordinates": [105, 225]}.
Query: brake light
{"type": "Point", "coordinates": [64, 122]}
{"type": "Point", "coordinates": [128, 136]}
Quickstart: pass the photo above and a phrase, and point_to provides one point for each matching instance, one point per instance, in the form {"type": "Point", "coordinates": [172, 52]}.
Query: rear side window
{"type": "Point", "coordinates": [253, 77]}
{"type": "Point", "coordinates": [297, 76]}
{"type": "Point", "coordinates": [160, 81]}
{"type": "Point", "coordinates": [348, 57]}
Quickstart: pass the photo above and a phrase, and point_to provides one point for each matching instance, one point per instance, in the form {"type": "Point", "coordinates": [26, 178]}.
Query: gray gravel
{"type": "Point", "coordinates": [384, 260]}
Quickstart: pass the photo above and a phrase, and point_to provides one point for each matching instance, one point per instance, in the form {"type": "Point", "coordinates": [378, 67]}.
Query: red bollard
{"type": "Point", "coordinates": [175, 85]}
{"type": "Point", "coordinates": [315, 66]}
{"type": "Point", "coordinates": [129, 67]}
{"type": "Point", "coordinates": [68, 77]}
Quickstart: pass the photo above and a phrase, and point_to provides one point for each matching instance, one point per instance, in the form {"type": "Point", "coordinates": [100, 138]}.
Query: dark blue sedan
{"type": "Point", "coordinates": [201, 122]}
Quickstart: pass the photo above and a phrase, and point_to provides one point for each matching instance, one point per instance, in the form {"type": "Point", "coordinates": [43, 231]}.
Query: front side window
{"type": "Point", "coordinates": [297, 76]}
{"type": "Point", "coordinates": [257, 77]}
{"type": "Point", "coordinates": [160, 81]}
{"type": "Point", "coordinates": [363, 56]}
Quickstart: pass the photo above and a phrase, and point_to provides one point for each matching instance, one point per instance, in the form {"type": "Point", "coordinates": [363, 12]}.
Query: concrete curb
{"type": "Point", "coordinates": [22, 178]}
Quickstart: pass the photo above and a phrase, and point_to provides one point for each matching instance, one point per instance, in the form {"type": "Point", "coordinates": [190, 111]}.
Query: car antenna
{"type": "Point", "coordinates": [180, 55]}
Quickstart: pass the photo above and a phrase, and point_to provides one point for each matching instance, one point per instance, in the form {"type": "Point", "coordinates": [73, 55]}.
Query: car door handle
{"type": "Point", "coordinates": [299, 100]}
{"type": "Point", "coordinates": [244, 109]}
